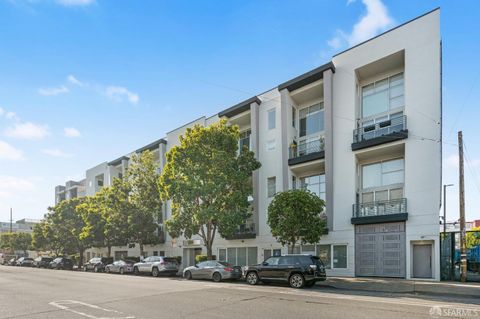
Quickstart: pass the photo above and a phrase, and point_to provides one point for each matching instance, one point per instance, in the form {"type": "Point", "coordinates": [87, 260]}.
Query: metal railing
{"type": "Point", "coordinates": [380, 208]}
{"type": "Point", "coordinates": [247, 228]}
{"type": "Point", "coordinates": [369, 132]}
{"type": "Point", "coordinates": [303, 147]}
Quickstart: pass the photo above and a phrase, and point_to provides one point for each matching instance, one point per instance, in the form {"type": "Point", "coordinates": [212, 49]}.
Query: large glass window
{"type": "Point", "coordinates": [239, 256]}
{"type": "Point", "coordinates": [339, 256]}
{"type": "Point", "coordinates": [271, 119]}
{"type": "Point", "coordinates": [311, 120]}
{"type": "Point", "coordinates": [244, 140]}
{"type": "Point", "coordinates": [383, 174]}
{"type": "Point", "coordinates": [315, 184]}
{"type": "Point", "coordinates": [383, 96]}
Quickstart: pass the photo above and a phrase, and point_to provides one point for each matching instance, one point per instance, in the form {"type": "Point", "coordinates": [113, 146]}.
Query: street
{"type": "Point", "coordinates": [42, 293]}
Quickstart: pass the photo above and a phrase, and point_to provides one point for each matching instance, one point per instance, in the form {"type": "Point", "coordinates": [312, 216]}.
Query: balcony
{"type": "Point", "coordinates": [306, 149]}
{"type": "Point", "coordinates": [245, 231]}
{"type": "Point", "coordinates": [393, 210]}
{"type": "Point", "coordinates": [387, 131]}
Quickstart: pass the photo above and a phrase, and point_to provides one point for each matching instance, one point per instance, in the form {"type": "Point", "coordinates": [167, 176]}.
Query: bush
{"type": "Point", "coordinates": [200, 258]}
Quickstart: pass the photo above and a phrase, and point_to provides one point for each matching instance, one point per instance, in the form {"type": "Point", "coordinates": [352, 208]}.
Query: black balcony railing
{"type": "Point", "coordinates": [368, 132]}
{"type": "Point", "coordinates": [380, 208]}
{"type": "Point", "coordinates": [244, 231]}
{"type": "Point", "coordinates": [302, 148]}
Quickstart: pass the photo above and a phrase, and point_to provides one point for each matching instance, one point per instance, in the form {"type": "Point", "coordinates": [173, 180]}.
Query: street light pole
{"type": "Point", "coordinates": [445, 208]}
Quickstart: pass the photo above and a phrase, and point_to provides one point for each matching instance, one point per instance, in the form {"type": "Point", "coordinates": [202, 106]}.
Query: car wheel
{"type": "Point", "coordinates": [188, 275]}
{"type": "Point", "coordinates": [122, 271]}
{"type": "Point", "coordinates": [95, 269]}
{"type": "Point", "coordinates": [107, 270]}
{"type": "Point", "coordinates": [135, 271]}
{"type": "Point", "coordinates": [217, 277]}
{"type": "Point", "coordinates": [252, 278]}
{"type": "Point", "coordinates": [155, 272]}
{"type": "Point", "coordinates": [84, 268]}
{"type": "Point", "coordinates": [297, 281]}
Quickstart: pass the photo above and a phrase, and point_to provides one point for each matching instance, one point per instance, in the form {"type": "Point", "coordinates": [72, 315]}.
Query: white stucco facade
{"type": "Point", "coordinates": [412, 52]}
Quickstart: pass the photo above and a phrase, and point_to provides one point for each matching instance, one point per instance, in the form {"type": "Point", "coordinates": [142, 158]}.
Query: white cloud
{"type": "Point", "coordinates": [71, 132]}
{"type": "Point", "coordinates": [73, 80]}
{"type": "Point", "coordinates": [53, 90]}
{"type": "Point", "coordinates": [11, 185]}
{"type": "Point", "coordinates": [376, 20]}
{"type": "Point", "coordinates": [73, 3]}
{"type": "Point", "coordinates": [11, 116]}
{"type": "Point", "coordinates": [56, 153]}
{"type": "Point", "coordinates": [8, 152]}
{"type": "Point", "coordinates": [28, 131]}
{"type": "Point", "coordinates": [2, 111]}
{"type": "Point", "coordinates": [119, 92]}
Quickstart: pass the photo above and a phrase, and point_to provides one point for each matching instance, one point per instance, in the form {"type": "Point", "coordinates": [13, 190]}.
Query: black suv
{"type": "Point", "coordinates": [298, 270]}
{"type": "Point", "coordinates": [42, 262]}
{"type": "Point", "coordinates": [61, 263]}
{"type": "Point", "coordinates": [97, 264]}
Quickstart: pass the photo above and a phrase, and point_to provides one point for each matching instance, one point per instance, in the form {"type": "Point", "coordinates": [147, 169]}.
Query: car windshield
{"type": "Point", "coordinates": [272, 261]}
{"type": "Point", "coordinates": [58, 260]}
{"type": "Point", "coordinates": [30, 259]}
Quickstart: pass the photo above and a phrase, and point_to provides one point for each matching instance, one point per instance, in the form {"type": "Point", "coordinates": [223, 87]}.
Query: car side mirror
{"type": "Point", "coordinates": [264, 263]}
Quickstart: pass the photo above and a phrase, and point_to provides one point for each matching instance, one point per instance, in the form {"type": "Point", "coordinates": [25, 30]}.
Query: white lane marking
{"type": "Point", "coordinates": [400, 300]}
{"type": "Point", "coordinates": [64, 305]}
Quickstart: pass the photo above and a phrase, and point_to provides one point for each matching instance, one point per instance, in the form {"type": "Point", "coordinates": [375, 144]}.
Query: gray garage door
{"type": "Point", "coordinates": [380, 250]}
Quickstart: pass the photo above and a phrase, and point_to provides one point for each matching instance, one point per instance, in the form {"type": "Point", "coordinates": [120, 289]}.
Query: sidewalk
{"type": "Point", "coordinates": [403, 286]}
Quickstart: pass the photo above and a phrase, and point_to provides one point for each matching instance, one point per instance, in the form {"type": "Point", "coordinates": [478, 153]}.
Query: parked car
{"type": "Point", "coordinates": [120, 266]}
{"type": "Point", "coordinates": [97, 264]}
{"type": "Point", "coordinates": [214, 270]}
{"type": "Point", "coordinates": [2, 259]}
{"type": "Point", "coordinates": [61, 263]}
{"type": "Point", "coordinates": [25, 262]}
{"type": "Point", "coordinates": [156, 266]}
{"type": "Point", "coordinates": [42, 262]}
{"type": "Point", "coordinates": [297, 270]}
{"type": "Point", "coordinates": [12, 262]}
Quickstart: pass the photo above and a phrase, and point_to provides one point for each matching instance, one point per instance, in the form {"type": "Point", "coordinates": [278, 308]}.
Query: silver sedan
{"type": "Point", "coordinates": [214, 270]}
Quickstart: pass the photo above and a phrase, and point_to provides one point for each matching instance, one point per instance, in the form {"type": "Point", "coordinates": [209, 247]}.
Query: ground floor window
{"type": "Point", "coordinates": [267, 253]}
{"type": "Point", "coordinates": [239, 256]}
{"type": "Point", "coordinates": [324, 252]}
{"type": "Point", "coordinates": [339, 256]}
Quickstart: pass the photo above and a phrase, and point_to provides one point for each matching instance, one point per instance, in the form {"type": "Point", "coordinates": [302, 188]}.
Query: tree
{"type": "Point", "coordinates": [208, 182]}
{"type": "Point", "coordinates": [296, 216]}
{"type": "Point", "coordinates": [16, 241]}
{"type": "Point", "coordinates": [472, 238]}
{"type": "Point", "coordinates": [145, 199]}
{"type": "Point", "coordinates": [7, 241]}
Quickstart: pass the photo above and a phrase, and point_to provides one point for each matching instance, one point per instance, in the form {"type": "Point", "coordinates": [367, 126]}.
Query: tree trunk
{"type": "Point", "coordinates": [109, 251]}
{"type": "Point", "coordinates": [209, 250]}
{"type": "Point", "coordinates": [292, 248]}
{"type": "Point", "coordinates": [141, 250]}
{"type": "Point", "coordinates": [80, 262]}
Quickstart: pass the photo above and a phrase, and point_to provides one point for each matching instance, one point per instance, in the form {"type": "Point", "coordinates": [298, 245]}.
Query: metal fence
{"type": "Point", "coordinates": [450, 255]}
{"type": "Point", "coordinates": [379, 208]}
{"type": "Point", "coordinates": [369, 132]}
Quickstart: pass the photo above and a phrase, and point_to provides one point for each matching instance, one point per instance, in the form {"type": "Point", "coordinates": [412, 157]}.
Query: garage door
{"type": "Point", "coordinates": [380, 250]}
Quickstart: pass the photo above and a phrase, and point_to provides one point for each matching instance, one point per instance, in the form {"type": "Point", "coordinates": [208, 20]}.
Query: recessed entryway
{"type": "Point", "coordinates": [422, 260]}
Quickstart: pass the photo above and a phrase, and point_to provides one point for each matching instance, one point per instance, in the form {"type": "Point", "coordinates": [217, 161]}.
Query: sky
{"type": "Point", "coordinates": [86, 81]}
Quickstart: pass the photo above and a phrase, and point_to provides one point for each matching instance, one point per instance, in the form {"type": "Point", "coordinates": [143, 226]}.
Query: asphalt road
{"type": "Point", "coordinates": [42, 293]}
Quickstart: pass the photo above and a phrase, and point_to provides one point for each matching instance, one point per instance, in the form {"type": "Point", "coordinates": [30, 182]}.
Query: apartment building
{"type": "Point", "coordinates": [24, 225]}
{"type": "Point", "coordinates": [363, 132]}
{"type": "Point", "coordinates": [71, 190]}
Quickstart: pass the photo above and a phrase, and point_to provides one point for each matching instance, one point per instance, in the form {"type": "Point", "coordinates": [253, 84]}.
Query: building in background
{"type": "Point", "coordinates": [72, 189]}
{"type": "Point", "coordinates": [363, 132]}
{"type": "Point", "coordinates": [20, 226]}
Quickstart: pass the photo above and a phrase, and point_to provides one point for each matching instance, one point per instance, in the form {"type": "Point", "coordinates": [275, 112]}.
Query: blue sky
{"type": "Point", "coordinates": [85, 81]}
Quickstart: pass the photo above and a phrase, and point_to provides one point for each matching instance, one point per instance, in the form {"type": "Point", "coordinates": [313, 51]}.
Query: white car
{"type": "Point", "coordinates": [156, 266]}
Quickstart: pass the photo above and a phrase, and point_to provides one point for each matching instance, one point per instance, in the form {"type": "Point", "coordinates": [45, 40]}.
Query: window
{"type": "Point", "coordinates": [271, 119]}
{"type": "Point", "coordinates": [311, 120]}
{"type": "Point", "coordinates": [383, 96]}
{"type": "Point", "coordinates": [294, 182]}
{"type": "Point", "coordinates": [383, 173]}
{"type": "Point", "coordinates": [238, 256]}
{"type": "Point", "coordinates": [271, 186]}
{"type": "Point", "coordinates": [272, 261]}
{"type": "Point", "coordinates": [294, 116]}
{"type": "Point", "coordinates": [324, 253]}
{"type": "Point", "coordinates": [155, 253]}
{"type": "Point", "coordinates": [244, 140]}
{"type": "Point", "coordinates": [339, 256]}
{"type": "Point", "coordinates": [271, 145]}
{"type": "Point", "coordinates": [222, 254]}
{"type": "Point", "coordinates": [162, 253]}
{"type": "Point", "coordinates": [315, 184]}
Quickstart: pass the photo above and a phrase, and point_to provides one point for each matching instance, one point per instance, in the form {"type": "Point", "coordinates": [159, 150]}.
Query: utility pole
{"type": "Point", "coordinates": [463, 248]}
{"type": "Point", "coordinates": [11, 220]}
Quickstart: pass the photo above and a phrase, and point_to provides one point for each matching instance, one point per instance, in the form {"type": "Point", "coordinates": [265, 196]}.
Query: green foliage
{"type": "Point", "coordinates": [472, 237]}
{"type": "Point", "coordinates": [200, 258]}
{"type": "Point", "coordinates": [145, 199]}
{"type": "Point", "coordinates": [16, 241]}
{"type": "Point", "coordinates": [208, 182]}
{"type": "Point", "coordinates": [296, 216]}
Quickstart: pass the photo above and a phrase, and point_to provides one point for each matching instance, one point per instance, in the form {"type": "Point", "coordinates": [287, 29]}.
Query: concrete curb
{"type": "Point", "coordinates": [403, 286]}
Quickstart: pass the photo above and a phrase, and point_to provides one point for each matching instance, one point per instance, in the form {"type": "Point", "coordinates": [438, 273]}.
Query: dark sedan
{"type": "Point", "coordinates": [42, 262]}
{"type": "Point", "coordinates": [97, 264]}
{"type": "Point", "coordinates": [61, 263]}
{"type": "Point", "coordinates": [120, 267]}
